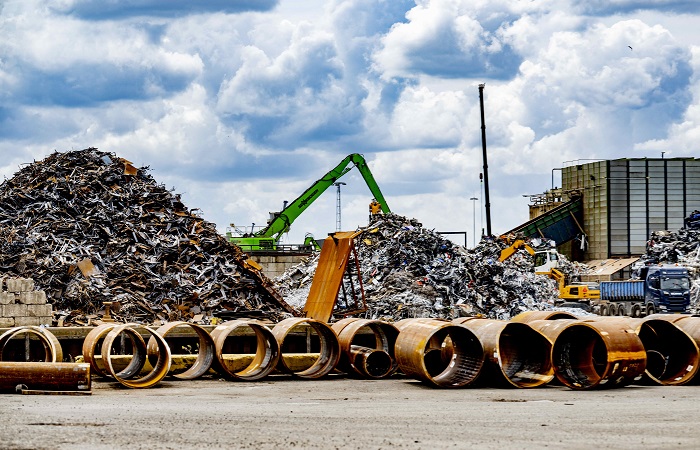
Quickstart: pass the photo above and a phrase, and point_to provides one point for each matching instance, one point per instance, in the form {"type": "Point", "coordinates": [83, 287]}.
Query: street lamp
{"type": "Point", "coordinates": [337, 205]}
{"type": "Point", "coordinates": [474, 199]}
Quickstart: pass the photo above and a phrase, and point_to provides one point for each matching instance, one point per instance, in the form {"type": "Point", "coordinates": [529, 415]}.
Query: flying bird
{"type": "Point", "coordinates": [630, 47]}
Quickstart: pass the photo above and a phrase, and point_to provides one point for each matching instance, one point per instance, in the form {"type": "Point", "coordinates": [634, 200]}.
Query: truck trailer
{"type": "Point", "coordinates": [662, 289]}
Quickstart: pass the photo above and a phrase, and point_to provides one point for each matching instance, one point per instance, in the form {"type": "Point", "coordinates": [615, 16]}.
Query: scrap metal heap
{"type": "Point", "coordinates": [89, 228]}
{"type": "Point", "coordinates": [410, 271]}
{"type": "Point", "coordinates": [680, 247]}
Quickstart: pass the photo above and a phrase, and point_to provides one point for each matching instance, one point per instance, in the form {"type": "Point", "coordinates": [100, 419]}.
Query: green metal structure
{"type": "Point", "coordinates": [268, 237]}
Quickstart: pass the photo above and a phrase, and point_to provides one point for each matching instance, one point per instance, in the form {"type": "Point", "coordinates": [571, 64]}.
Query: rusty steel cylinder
{"type": "Point", "coordinates": [672, 354]}
{"type": "Point", "coordinates": [516, 354]}
{"type": "Point", "coordinates": [690, 325]}
{"type": "Point", "coordinates": [45, 376]}
{"type": "Point", "coordinates": [52, 348]}
{"type": "Point", "coordinates": [367, 347]}
{"type": "Point", "coordinates": [329, 353]}
{"type": "Point", "coordinates": [440, 354]}
{"type": "Point", "coordinates": [205, 353]}
{"type": "Point", "coordinates": [267, 350]}
{"type": "Point", "coordinates": [596, 354]}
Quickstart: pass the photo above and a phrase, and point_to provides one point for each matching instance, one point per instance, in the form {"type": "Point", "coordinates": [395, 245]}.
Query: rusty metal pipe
{"type": "Point", "coordinates": [371, 362]}
{"type": "Point", "coordinates": [52, 348]}
{"type": "Point", "coordinates": [672, 354]}
{"type": "Point", "coordinates": [160, 368]}
{"type": "Point", "coordinates": [267, 351]}
{"type": "Point", "coordinates": [596, 354]}
{"type": "Point", "coordinates": [439, 353]}
{"type": "Point", "coordinates": [45, 376]}
{"type": "Point", "coordinates": [329, 352]}
{"type": "Point", "coordinates": [516, 354]}
{"type": "Point", "coordinates": [205, 354]}
{"type": "Point", "coordinates": [97, 334]}
{"type": "Point", "coordinates": [354, 332]}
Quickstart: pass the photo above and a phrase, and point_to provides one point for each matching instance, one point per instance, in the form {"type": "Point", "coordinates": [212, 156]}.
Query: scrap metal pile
{"type": "Point", "coordinates": [409, 271]}
{"type": "Point", "coordinates": [89, 228]}
{"type": "Point", "coordinates": [677, 247]}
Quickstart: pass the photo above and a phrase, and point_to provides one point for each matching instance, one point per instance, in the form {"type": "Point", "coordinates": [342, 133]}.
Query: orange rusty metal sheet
{"type": "Point", "coordinates": [325, 286]}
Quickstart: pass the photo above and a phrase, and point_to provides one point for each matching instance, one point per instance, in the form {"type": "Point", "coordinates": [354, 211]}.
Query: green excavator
{"type": "Point", "coordinates": [268, 238]}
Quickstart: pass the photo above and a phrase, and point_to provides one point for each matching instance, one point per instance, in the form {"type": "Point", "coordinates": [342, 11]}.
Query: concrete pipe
{"type": "Point", "coordinates": [267, 350]}
{"type": "Point", "coordinates": [529, 316]}
{"type": "Point", "coordinates": [372, 341]}
{"type": "Point", "coordinates": [329, 353]}
{"type": "Point", "coordinates": [44, 376]}
{"type": "Point", "coordinates": [205, 352]}
{"type": "Point", "coordinates": [96, 337]}
{"type": "Point", "coordinates": [515, 353]}
{"type": "Point", "coordinates": [160, 368]}
{"type": "Point", "coordinates": [439, 353]}
{"type": "Point", "coordinates": [52, 348]}
{"type": "Point", "coordinates": [596, 354]}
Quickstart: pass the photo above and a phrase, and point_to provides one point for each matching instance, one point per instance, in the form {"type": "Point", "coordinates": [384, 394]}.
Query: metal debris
{"type": "Point", "coordinates": [89, 228]}
{"type": "Point", "coordinates": [409, 271]}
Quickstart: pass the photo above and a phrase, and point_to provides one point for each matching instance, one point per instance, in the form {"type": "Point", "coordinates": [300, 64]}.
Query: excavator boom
{"type": "Point", "coordinates": [281, 222]}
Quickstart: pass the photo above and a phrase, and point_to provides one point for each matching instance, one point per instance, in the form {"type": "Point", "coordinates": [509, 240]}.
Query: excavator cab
{"type": "Point", "coordinates": [546, 260]}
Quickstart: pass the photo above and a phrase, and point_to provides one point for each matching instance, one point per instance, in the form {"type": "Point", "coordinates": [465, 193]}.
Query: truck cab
{"type": "Point", "coordinates": [668, 288]}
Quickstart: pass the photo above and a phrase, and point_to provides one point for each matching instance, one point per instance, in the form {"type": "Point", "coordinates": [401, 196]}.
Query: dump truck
{"type": "Point", "coordinates": [662, 289]}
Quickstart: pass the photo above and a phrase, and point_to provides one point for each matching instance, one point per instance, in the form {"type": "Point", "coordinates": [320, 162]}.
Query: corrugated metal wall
{"type": "Point", "coordinates": [626, 199]}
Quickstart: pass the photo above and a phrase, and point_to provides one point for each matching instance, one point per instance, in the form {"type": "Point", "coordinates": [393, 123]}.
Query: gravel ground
{"type": "Point", "coordinates": [347, 413]}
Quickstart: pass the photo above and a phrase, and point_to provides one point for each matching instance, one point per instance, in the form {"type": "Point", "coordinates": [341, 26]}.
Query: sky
{"type": "Point", "coordinates": [241, 105]}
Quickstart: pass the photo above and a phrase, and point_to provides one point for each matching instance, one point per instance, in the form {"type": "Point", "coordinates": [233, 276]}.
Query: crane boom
{"type": "Point", "coordinates": [281, 221]}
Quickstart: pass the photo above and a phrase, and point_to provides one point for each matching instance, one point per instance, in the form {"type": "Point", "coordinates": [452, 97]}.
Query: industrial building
{"type": "Point", "coordinates": [608, 209]}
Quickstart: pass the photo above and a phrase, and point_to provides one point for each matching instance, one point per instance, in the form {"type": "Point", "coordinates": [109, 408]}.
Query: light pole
{"type": "Point", "coordinates": [337, 205]}
{"type": "Point", "coordinates": [474, 199]}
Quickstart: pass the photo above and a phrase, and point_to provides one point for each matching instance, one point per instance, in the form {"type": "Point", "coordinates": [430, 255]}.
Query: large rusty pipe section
{"type": "Point", "coordinates": [160, 368]}
{"type": "Point", "coordinates": [439, 353]}
{"type": "Point", "coordinates": [589, 355]}
{"type": "Point", "coordinates": [672, 354]}
{"type": "Point", "coordinates": [205, 353]}
{"type": "Point", "coordinates": [329, 354]}
{"type": "Point", "coordinates": [267, 351]}
{"type": "Point", "coordinates": [44, 376]}
{"type": "Point", "coordinates": [361, 357]}
{"type": "Point", "coordinates": [95, 338]}
{"type": "Point", "coordinates": [516, 354]}
{"type": "Point", "coordinates": [52, 348]}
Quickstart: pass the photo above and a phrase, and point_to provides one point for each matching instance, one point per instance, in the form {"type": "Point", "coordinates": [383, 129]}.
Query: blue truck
{"type": "Point", "coordinates": [662, 289]}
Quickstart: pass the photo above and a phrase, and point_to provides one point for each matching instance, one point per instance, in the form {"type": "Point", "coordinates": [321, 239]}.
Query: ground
{"type": "Point", "coordinates": [347, 413]}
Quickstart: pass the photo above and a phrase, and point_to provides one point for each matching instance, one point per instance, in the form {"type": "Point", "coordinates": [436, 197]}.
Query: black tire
{"type": "Point", "coordinates": [621, 310]}
{"type": "Point", "coordinates": [636, 310]}
{"type": "Point", "coordinates": [650, 309]}
{"type": "Point", "coordinates": [604, 310]}
{"type": "Point", "coordinates": [612, 309]}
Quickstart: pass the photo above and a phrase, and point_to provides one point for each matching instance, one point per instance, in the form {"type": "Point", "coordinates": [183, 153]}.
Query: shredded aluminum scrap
{"type": "Point", "coordinates": [410, 271]}
{"type": "Point", "coordinates": [89, 227]}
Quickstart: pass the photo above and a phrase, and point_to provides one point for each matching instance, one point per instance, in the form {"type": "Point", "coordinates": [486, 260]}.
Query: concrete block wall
{"type": "Point", "coordinates": [21, 305]}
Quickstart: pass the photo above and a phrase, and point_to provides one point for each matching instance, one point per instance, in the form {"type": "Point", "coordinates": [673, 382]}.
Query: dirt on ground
{"type": "Point", "coordinates": [346, 413]}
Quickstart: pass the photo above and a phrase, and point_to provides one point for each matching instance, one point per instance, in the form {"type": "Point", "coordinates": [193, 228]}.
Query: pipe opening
{"type": "Point", "coordinates": [524, 355]}
{"type": "Point", "coordinates": [580, 357]}
{"type": "Point", "coordinates": [672, 355]}
{"type": "Point", "coordinates": [457, 359]}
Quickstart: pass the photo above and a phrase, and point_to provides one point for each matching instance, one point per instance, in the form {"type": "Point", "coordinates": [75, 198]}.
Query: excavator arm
{"type": "Point", "coordinates": [284, 219]}
{"type": "Point", "coordinates": [511, 249]}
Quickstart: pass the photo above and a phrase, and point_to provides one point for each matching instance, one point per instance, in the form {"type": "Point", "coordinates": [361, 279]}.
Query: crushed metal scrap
{"type": "Point", "coordinates": [410, 271]}
{"type": "Point", "coordinates": [90, 228]}
{"type": "Point", "coordinates": [680, 247]}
